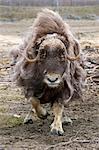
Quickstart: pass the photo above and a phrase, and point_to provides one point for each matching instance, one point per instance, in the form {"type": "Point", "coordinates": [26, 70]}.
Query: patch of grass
{"type": "Point", "coordinates": [21, 12]}
{"type": "Point", "coordinates": [14, 121]}
{"type": "Point", "coordinates": [10, 121]}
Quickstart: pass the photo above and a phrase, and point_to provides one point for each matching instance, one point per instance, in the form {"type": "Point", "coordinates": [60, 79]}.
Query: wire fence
{"type": "Point", "coordinates": [49, 2]}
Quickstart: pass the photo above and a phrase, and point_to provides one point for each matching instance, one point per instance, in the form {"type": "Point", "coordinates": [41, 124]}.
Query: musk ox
{"type": "Point", "coordinates": [49, 67]}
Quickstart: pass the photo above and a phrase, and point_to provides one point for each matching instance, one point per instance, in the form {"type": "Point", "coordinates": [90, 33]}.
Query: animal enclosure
{"type": "Point", "coordinates": [83, 133]}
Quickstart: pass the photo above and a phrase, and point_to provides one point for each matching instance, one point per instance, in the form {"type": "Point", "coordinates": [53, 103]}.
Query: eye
{"type": "Point", "coordinates": [62, 55]}
{"type": "Point", "coordinates": [43, 54]}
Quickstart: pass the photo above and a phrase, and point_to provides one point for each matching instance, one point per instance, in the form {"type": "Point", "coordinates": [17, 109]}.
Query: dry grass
{"type": "Point", "coordinates": [21, 12]}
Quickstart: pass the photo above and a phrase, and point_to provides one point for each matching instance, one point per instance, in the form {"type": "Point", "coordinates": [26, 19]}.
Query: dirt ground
{"type": "Point", "coordinates": [83, 134]}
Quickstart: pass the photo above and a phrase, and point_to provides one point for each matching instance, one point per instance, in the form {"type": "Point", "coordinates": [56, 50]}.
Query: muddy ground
{"type": "Point", "coordinates": [83, 134]}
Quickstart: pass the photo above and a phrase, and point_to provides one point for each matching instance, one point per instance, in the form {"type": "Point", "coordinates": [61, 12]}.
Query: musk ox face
{"type": "Point", "coordinates": [52, 61]}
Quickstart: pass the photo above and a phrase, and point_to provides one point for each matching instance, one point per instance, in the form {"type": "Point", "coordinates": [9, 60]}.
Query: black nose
{"type": "Point", "coordinates": [52, 79]}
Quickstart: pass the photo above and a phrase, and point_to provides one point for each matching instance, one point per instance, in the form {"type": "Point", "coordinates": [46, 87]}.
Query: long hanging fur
{"type": "Point", "coordinates": [49, 22]}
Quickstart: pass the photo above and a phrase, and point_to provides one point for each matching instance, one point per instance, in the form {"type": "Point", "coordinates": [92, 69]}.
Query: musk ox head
{"type": "Point", "coordinates": [51, 59]}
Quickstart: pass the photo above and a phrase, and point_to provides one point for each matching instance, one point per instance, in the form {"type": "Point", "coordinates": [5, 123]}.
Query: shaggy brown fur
{"type": "Point", "coordinates": [50, 34]}
{"type": "Point", "coordinates": [49, 22]}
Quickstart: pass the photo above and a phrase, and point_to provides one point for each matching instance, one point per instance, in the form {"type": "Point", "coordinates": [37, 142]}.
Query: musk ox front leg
{"type": "Point", "coordinates": [40, 111]}
{"type": "Point", "coordinates": [36, 111]}
{"type": "Point", "coordinates": [56, 126]}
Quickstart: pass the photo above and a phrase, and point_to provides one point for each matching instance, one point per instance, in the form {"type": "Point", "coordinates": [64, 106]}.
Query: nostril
{"type": "Point", "coordinates": [56, 79]}
{"type": "Point", "coordinates": [52, 80]}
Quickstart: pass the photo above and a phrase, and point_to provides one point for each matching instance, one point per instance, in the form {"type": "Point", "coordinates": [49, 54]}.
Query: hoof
{"type": "Point", "coordinates": [57, 132]}
{"type": "Point", "coordinates": [66, 120]}
{"type": "Point", "coordinates": [42, 116]}
{"type": "Point", "coordinates": [28, 121]}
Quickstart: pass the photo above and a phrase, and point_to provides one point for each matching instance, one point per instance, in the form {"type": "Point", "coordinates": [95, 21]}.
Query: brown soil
{"type": "Point", "coordinates": [83, 134]}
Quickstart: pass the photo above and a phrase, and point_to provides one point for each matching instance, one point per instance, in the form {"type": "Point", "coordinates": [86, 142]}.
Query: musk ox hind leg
{"type": "Point", "coordinates": [56, 126]}
{"type": "Point", "coordinates": [66, 120]}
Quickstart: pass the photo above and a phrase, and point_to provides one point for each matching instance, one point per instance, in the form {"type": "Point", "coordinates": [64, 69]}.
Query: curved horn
{"type": "Point", "coordinates": [72, 58]}
{"type": "Point", "coordinates": [30, 60]}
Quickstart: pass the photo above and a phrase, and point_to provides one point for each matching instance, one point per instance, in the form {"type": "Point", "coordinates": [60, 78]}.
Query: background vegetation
{"type": "Point", "coordinates": [21, 12]}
